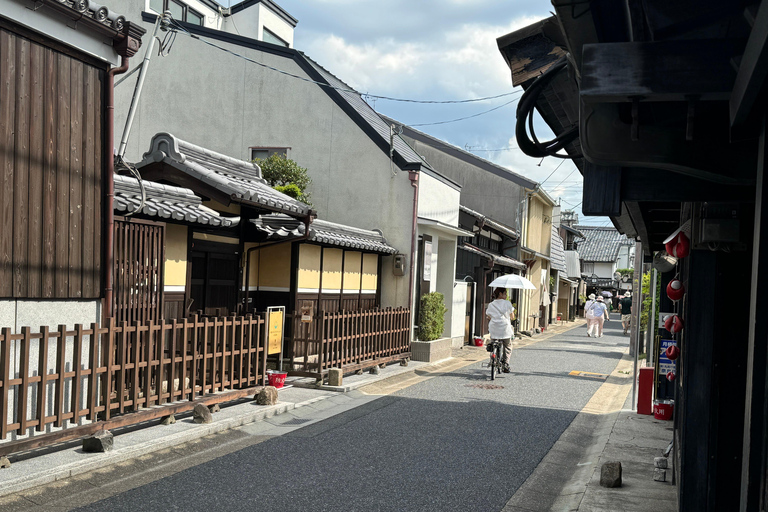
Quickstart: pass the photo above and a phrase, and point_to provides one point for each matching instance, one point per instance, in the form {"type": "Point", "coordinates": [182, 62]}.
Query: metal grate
{"type": "Point", "coordinates": [297, 421]}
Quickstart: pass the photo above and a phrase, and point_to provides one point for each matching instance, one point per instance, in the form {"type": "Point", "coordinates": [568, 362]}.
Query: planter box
{"type": "Point", "coordinates": [431, 351]}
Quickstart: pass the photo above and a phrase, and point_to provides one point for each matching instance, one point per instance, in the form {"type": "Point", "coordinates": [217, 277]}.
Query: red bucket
{"type": "Point", "coordinates": [663, 409]}
{"type": "Point", "coordinates": [277, 379]}
{"type": "Point", "coordinates": [478, 341]}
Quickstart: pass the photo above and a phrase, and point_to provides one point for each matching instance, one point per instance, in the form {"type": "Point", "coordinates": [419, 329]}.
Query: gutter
{"type": "Point", "coordinates": [110, 186]}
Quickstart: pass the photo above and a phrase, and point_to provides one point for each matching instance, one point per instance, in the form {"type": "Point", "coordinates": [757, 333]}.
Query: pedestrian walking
{"type": "Point", "coordinates": [501, 313]}
{"type": "Point", "coordinates": [626, 311]}
{"type": "Point", "coordinates": [587, 307]}
{"type": "Point", "coordinates": [598, 313]}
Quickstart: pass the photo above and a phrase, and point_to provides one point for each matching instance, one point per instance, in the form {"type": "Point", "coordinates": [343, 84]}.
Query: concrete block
{"type": "Point", "coordinates": [610, 474]}
{"type": "Point", "coordinates": [431, 351]}
{"type": "Point", "coordinates": [659, 475]}
{"type": "Point", "coordinates": [335, 376]}
{"type": "Point", "coordinates": [374, 370]}
{"type": "Point", "coordinates": [660, 462]}
{"type": "Point", "coordinates": [100, 442]}
{"type": "Point", "coordinates": [201, 414]}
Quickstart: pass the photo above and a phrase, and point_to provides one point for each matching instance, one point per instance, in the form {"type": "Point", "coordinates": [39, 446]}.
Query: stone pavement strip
{"type": "Point", "coordinates": [568, 477]}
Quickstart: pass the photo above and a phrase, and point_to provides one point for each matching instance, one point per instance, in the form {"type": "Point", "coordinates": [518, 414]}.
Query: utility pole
{"type": "Point", "coordinates": [637, 306]}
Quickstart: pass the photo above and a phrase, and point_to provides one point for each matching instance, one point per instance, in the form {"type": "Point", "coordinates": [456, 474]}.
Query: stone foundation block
{"type": "Point", "coordinates": [660, 462]}
{"type": "Point", "coordinates": [99, 442]}
{"type": "Point", "coordinates": [201, 414]}
{"type": "Point", "coordinates": [659, 475]}
{"type": "Point", "coordinates": [169, 420]}
{"type": "Point", "coordinates": [610, 474]}
{"type": "Point", "coordinates": [267, 396]}
{"type": "Point", "coordinates": [431, 351]}
{"type": "Point", "coordinates": [335, 376]}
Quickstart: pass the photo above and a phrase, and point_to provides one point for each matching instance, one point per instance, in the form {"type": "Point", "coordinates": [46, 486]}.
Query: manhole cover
{"type": "Point", "coordinates": [297, 421]}
{"type": "Point", "coordinates": [485, 386]}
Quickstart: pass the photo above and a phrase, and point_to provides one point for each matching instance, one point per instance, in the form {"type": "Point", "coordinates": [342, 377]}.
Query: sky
{"type": "Point", "coordinates": [436, 50]}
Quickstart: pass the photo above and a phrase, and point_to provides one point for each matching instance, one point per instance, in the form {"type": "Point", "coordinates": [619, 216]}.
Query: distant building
{"type": "Point", "coordinates": [603, 251]}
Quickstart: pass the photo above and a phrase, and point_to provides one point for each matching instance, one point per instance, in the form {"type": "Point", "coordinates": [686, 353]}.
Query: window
{"type": "Point", "coordinates": [264, 152]}
{"type": "Point", "coordinates": [271, 37]}
{"type": "Point", "coordinates": [179, 10]}
{"type": "Point", "coordinates": [588, 268]}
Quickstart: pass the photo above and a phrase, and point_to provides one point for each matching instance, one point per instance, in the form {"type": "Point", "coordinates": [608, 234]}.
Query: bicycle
{"type": "Point", "coordinates": [494, 347]}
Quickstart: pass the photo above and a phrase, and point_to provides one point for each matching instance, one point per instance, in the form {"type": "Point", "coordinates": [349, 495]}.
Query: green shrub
{"type": "Point", "coordinates": [431, 316]}
{"type": "Point", "coordinates": [280, 171]}
{"type": "Point", "coordinates": [291, 190]}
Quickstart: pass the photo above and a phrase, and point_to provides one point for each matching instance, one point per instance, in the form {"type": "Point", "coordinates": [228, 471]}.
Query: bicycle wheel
{"type": "Point", "coordinates": [493, 365]}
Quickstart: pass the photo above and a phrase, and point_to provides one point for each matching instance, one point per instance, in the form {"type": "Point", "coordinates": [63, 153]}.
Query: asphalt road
{"type": "Point", "coordinates": [453, 442]}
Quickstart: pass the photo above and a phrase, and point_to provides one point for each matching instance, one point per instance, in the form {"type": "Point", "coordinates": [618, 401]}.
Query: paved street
{"type": "Point", "coordinates": [453, 442]}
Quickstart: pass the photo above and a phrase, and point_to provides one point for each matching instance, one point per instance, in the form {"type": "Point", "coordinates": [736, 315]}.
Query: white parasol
{"type": "Point", "coordinates": [512, 281]}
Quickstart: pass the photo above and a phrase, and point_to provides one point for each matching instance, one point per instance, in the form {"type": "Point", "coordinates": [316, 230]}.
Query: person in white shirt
{"type": "Point", "coordinates": [598, 312]}
{"type": "Point", "coordinates": [587, 307]}
{"type": "Point", "coordinates": [501, 313]}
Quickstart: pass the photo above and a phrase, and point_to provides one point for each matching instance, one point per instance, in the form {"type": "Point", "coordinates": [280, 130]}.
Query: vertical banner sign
{"type": "Point", "coordinates": [665, 365]}
{"type": "Point", "coordinates": [427, 261]}
{"type": "Point", "coordinates": [306, 311]}
{"type": "Point", "coordinates": [275, 317]}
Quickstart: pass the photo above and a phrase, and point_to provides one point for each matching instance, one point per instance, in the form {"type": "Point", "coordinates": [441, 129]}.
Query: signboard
{"type": "Point", "coordinates": [665, 365]}
{"type": "Point", "coordinates": [427, 260]}
{"type": "Point", "coordinates": [306, 311]}
{"type": "Point", "coordinates": [275, 317]}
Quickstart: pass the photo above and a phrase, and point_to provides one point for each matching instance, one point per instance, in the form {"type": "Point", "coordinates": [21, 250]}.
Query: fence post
{"type": "Point", "coordinates": [42, 371]}
{"type": "Point", "coordinates": [109, 359]}
{"type": "Point", "coordinates": [93, 377]}
{"type": "Point", "coordinates": [77, 360]}
{"type": "Point", "coordinates": [5, 376]}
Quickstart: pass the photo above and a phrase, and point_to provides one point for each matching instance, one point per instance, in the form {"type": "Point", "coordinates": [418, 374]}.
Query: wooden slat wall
{"type": "Point", "coordinates": [51, 170]}
{"type": "Point", "coordinates": [139, 261]}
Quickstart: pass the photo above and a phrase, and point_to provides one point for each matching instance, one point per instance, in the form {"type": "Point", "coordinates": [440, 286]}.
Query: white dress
{"type": "Point", "coordinates": [500, 325]}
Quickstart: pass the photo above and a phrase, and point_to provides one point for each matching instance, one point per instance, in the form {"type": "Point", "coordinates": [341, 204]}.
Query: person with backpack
{"type": "Point", "coordinates": [597, 312]}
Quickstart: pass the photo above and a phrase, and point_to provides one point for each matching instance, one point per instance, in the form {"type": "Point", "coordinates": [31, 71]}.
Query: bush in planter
{"type": "Point", "coordinates": [431, 316]}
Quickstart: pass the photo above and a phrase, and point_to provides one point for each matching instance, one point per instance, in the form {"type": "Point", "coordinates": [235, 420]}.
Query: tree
{"type": "Point", "coordinates": [286, 176]}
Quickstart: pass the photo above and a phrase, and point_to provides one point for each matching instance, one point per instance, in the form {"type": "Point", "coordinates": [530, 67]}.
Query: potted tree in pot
{"type": "Point", "coordinates": [431, 345]}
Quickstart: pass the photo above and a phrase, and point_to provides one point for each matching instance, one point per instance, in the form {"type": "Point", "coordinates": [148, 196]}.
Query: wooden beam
{"type": "Point", "coordinates": [658, 71]}
{"type": "Point", "coordinates": [602, 190]}
{"type": "Point", "coordinates": [752, 71]}
{"type": "Point", "coordinates": [657, 185]}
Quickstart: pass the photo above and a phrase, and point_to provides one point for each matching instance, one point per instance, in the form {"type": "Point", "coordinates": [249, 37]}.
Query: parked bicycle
{"type": "Point", "coordinates": [494, 347]}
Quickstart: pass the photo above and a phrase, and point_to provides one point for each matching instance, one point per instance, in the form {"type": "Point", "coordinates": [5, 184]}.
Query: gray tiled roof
{"type": "Point", "coordinates": [166, 202]}
{"type": "Point", "coordinates": [557, 250]}
{"type": "Point", "coordinates": [497, 258]}
{"type": "Point", "coordinates": [601, 243]}
{"type": "Point", "coordinates": [381, 126]}
{"type": "Point", "coordinates": [239, 179]}
{"type": "Point", "coordinates": [282, 227]}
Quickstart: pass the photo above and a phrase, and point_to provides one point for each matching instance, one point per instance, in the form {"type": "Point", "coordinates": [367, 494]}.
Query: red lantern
{"type": "Point", "coordinates": [675, 290]}
{"type": "Point", "coordinates": [672, 352]}
{"type": "Point", "coordinates": [670, 376]}
{"type": "Point", "coordinates": [673, 324]}
{"type": "Point", "coordinates": [678, 244]}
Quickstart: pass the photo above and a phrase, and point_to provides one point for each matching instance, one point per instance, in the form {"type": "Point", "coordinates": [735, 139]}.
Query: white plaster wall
{"type": "Point", "coordinates": [458, 312]}
{"type": "Point", "coordinates": [438, 200]}
{"type": "Point", "coordinates": [605, 270]}
{"type": "Point", "coordinates": [46, 21]}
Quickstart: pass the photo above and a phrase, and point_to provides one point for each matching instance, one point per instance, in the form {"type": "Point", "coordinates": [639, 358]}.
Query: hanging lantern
{"type": "Point", "coordinates": [672, 352]}
{"type": "Point", "coordinates": [678, 244]}
{"type": "Point", "coordinates": [673, 324]}
{"type": "Point", "coordinates": [675, 290]}
{"type": "Point", "coordinates": [671, 376]}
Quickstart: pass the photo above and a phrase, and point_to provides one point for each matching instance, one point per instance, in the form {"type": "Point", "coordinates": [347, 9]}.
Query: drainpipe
{"type": "Point", "coordinates": [414, 177]}
{"type": "Point", "coordinates": [110, 185]}
{"type": "Point", "coordinates": [485, 287]}
{"type": "Point", "coordinates": [307, 222]}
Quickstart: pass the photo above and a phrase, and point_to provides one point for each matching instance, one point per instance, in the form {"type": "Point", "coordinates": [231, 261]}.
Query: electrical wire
{"type": "Point", "coordinates": [121, 164]}
{"type": "Point", "coordinates": [181, 29]}
{"type": "Point", "coordinates": [573, 171]}
{"type": "Point", "coordinates": [553, 172]}
{"type": "Point", "coordinates": [467, 117]}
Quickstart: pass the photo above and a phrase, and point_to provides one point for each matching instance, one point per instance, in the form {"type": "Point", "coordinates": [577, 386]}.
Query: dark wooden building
{"type": "Point", "coordinates": [662, 106]}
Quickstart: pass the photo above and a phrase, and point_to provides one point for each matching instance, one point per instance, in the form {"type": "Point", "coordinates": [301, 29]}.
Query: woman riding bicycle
{"type": "Point", "coordinates": [501, 313]}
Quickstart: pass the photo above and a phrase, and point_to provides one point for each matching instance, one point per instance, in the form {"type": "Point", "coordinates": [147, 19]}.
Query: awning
{"type": "Point", "coordinates": [496, 258]}
{"type": "Point", "coordinates": [283, 227]}
{"type": "Point", "coordinates": [166, 202]}
{"type": "Point", "coordinates": [487, 221]}
{"type": "Point", "coordinates": [234, 179]}
{"type": "Point", "coordinates": [535, 253]}
{"type": "Point", "coordinates": [443, 227]}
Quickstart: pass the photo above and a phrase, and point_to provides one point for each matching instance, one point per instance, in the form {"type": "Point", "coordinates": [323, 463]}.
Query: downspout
{"type": "Point", "coordinates": [485, 287]}
{"type": "Point", "coordinates": [110, 185]}
{"type": "Point", "coordinates": [414, 177]}
{"type": "Point", "coordinates": [307, 222]}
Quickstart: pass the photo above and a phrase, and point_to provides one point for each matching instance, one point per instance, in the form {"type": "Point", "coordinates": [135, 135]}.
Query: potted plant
{"type": "Point", "coordinates": [431, 346]}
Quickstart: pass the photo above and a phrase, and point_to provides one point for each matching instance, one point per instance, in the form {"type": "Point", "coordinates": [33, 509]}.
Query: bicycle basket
{"type": "Point", "coordinates": [490, 346]}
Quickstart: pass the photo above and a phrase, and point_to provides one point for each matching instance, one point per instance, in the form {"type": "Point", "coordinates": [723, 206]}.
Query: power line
{"type": "Point", "coordinates": [573, 171]}
{"type": "Point", "coordinates": [553, 172]}
{"type": "Point", "coordinates": [468, 117]}
{"type": "Point", "coordinates": [179, 28]}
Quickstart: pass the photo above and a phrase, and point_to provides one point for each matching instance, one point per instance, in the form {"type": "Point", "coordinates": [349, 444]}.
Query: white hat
{"type": "Point", "coordinates": [627, 294]}
{"type": "Point", "coordinates": [600, 298]}
{"type": "Point", "coordinates": [592, 296]}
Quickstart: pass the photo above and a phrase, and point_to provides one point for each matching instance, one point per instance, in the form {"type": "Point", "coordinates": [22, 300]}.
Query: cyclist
{"type": "Point", "coordinates": [501, 312]}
